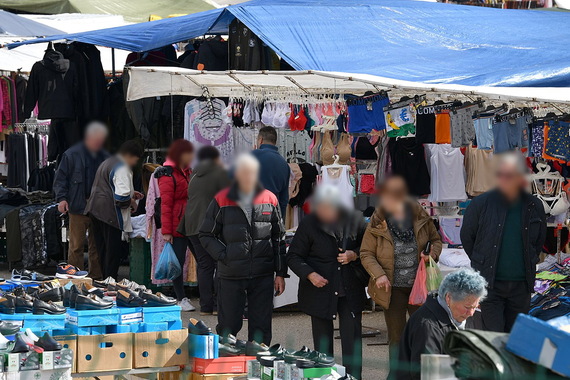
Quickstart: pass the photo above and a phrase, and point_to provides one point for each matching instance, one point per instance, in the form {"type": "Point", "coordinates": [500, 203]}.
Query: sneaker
{"type": "Point", "coordinates": [185, 305]}
{"type": "Point", "coordinates": [65, 270]}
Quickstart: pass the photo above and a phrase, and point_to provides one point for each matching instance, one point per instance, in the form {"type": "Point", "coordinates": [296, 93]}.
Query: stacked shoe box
{"type": "Point", "coordinates": [37, 323]}
{"type": "Point", "coordinates": [91, 322]}
{"type": "Point", "coordinates": [277, 368]}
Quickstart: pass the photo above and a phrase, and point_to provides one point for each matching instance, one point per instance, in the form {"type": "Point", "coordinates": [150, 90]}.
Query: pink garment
{"type": "Point", "coordinates": [155, 235]}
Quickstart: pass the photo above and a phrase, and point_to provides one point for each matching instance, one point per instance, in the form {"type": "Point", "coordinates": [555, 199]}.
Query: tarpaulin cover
{"type": "Point", "coordinates": [401, 39]}
{"type": "Point", "coordinates": [132, 10]}
{"type": "Point", "coordinates": [14, 25]}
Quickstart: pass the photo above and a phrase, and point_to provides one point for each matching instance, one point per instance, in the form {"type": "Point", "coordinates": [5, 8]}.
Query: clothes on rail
{"type": "Point", "coordinates": [27, 158]}
{"type": "Point", "coordinates": [408, 160]}
{"type": "Point", "coordinates": [12, 95]}
{"type": "Point", "coordinates": [447, 173]}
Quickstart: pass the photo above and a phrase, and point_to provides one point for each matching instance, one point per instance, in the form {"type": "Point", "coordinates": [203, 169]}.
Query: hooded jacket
{"type": "Point", "coordinates": [208, 179]}
{"type": "Point", "coordinates": [377, 250]}
{"type": "Point", "coordinates": [173, 185]}
{"type": "Point", "coordinates": [244, 249]}
{"type": "Point", "coordinates": [54, 86]}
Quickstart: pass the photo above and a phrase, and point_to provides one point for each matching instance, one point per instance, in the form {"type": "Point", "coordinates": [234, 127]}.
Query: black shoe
{"type": "Point", "coordinates": [157, 300]}
{"type": "Point", "coordinates": [127, 299]}
{"type": "Point", "coordinates": [104, 284]}
{"type": "Point", "coordinates": [291, 357]}
{"type": "Point", "coordinates": [18, 345]}
{"type": "Point", "coordinates": [253, 348]}
{"type": "Point", "coordinates": [48, 343]}
{"type": "Point", "coordinates": [53, 294]}
{"type": "Point", "coordinates": [320, 359]}
{"type": "Point", "coordinates": [90, 289]}
{"type": "Point", "coordinates": [8, 304]}
{"type": "Point", "coordinates": [305, 363]}
{"type": "Point", "coordinates": [35, 276]}
{"type": "Point", "coordinates": [91, 302]}
{"type": "Point", "coordinates": [74, 291]}
{"type": "Point", "coordinates": [41, 307]}
{"type": "Point", "coordinates": [231, 340]}
{"type": "Point", "coordinates": [24, 303]}
{"type": "Point", "coordinates": [226, 350]}
{"type": "Point", "coordinates": [197, 327]}
{"type": "Point", "coordinates": [7, 328]}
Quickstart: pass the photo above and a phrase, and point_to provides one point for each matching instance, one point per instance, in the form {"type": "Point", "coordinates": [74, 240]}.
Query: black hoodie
{"type": "Point", "coordinates": [54, 86]}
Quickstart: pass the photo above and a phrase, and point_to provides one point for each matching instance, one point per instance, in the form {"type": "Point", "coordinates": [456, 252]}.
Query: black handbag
{"type": "Point", "coordinates": [362, 276]}
{"type": "Point", "coordinates": [161, 172]}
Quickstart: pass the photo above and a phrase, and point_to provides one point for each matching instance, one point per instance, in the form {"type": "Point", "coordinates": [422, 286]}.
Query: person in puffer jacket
{"type": "Point", "coordinates": [243, 232]}
{"type": "Point", "coordinates": [173, 178]}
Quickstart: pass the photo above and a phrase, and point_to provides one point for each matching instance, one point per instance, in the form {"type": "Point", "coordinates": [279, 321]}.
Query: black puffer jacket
{"type": "Point", "coordinates": [315, 250]}
{"type": "Point", "coordinates": [243, 249]}
{"type": "Point", "coordinates": [482, 232]}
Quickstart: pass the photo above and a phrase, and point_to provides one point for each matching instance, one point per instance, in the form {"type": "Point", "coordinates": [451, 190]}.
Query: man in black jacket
{"type": "Point", "coordinates": [72, 187]}
{"type": "Point", "coordinates": [242, 230]}
{"type": "Point", "coordinates": [503, 233]}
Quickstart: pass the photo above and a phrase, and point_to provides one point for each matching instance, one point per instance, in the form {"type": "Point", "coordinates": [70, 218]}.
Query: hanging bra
{"type": "Point", "coordinates": [281, 116]}
{"type": "Point", "coordinates": [343, 149]}
{"type": "Point", "coordinates": [297, 122]}
{"type": "Point", "coordinates": [327, 149]}
{"type": "Point", "coordinates": [555, 204]}
{"type": "Point", "coordinates": [268, 114]}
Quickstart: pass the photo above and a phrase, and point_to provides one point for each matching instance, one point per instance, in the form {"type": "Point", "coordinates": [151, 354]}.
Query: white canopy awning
{"type": "Point", "coordinates": [163, 81]}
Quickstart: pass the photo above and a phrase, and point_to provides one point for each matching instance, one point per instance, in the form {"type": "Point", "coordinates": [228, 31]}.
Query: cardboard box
{"type": "Point", "coordinates": [56, 374]}
{"type": "Point", "coordinates": [541, 342]}
{"type": "Point", "coordinates": [110, 352]}
{"type": "Point", "coordinates": [61, 359]}
{"type": "Point", "coordinates": [75, 281]}
{"type": "Point", "coordinates": [160, 349]}
{"type": "Point", "coordinates": [282, 370]}
{"type": "Point", "coordinates": [234, 364]}
{"type": "Point", "coordinates": [215, 376]}
{"type": "Point", "coordinates": [309, 373]}
{"type": "Point", "coordinates": [68, 342]}
{"type": "Point", "coordinates": [267, 373]}
{"type": "Point", "coordinates": [253, 369]}
{"type": "Point", "coordinates": [203, 346]}
{"type": "Point", "coordinates": [25, 361]}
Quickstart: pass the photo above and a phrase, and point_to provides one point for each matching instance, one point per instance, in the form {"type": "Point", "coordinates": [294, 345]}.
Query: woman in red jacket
{"type": "Point", "coordinates": [173, 180]}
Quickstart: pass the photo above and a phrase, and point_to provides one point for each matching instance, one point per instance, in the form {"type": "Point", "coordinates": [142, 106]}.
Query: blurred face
{"type": "Point", "coordinates": [393, 195]}
{"type": "Point", "coordinates": [186, 160]}
{"type": "Point", "coordinates": [131, 160]}
{"type": "Point", "coordinates": [246, 177]}
{"type": "Point", "coordinates": [509, 180]}
{"type": "Point", "coordinates": [95, 141]}
{"type": "Point", "coordinates": [327, 213]}
{"type": "Point", "coordinates": [461, 310]}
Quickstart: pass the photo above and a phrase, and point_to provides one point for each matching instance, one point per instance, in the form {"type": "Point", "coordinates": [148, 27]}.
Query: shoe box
{"type": "Point", "coordinates": [108, 352]}
{"type": "Point", "coordinates": [232, 364]}
{"type": "Point", "coordinates": [56, 374]}
{"type": "Point", "coordinates": [285, 371]}
{"type": "Point", "coordinates": [203, 346]}
{"type": "Point", "coordinates": [36, 323]}
{"type": "Point", "coordinates": [542, 342]}
{"type": "Point", "coordinates": [160, 349]}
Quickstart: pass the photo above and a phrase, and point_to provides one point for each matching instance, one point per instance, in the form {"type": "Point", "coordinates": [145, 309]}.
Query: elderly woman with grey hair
{"type": "Point", "coordinates": [325, 255]}
{"type": "Point", "coordinates": [458, 297]}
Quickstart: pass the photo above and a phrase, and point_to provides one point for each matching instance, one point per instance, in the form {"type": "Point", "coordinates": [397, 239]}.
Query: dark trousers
{"type": "Point", "coordinates": [503, 303]}
{"type": "Point", "coordinates": [350, 326]}
{"type": "Point", "coordinates": [110, 247]}
{"type": "Point", "coordinates": [180, 245]}
{"type": "Point", "coordinates": [206, 272]}
{"type": "Point", "coordinates": [232, 298]}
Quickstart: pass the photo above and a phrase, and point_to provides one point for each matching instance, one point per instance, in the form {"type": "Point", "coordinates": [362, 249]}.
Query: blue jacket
{"type": "Point", "coordinates": [274, 173]}
{"type": "Point", "coordinates": [75, 175]}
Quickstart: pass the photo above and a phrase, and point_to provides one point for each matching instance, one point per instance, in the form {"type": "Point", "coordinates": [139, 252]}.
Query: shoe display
{"type": "Point", "coordinates": [24, 303]}
{"type": "Point", "coordinates": [48, 343]}
{"type": "Point", "coordinates": [253, 348]}
{"type": "Point", "coordinates": [90, 289]}
{"type": "Point", "coordinates": [32, 336]}
{"type": "Point", "coordinates": [53, 294]}
{"type": "Point", "coordinates": [127, 299]}
{"type": "Point", "coordinates": [18, 345]}
{"type": "Point", "coordinates": [185, 305]}
{"type": "Point", "coordinates": [74, 291]}
{"type": "Point", "coordinates": [291, 357]}
{"type": "Point", "coordinates": [320, 359]}
{"type": "Point", "coordinates": [91, 302]}
{"type": "Point", "coordinates": [157, 300]}
{"type": "Point", "coordinates": [104, 284]}
{"type": "Point", "coordinates": [7, 304]}
{"type": "Point", "coordinates": [3, 342]}
{"type": "Point", "coordinates": [304, 363]}
{"type": "Point", "coordinates": [7, 328]}
{"type": "Point", "coordinates": [26, 276]}
{"type": "Point", "coordinates": [225, 350]}
{"type": "Point", "coordinates": [197, 327]}
{"type": "Point", "coordinates": [65, 270]}
{"type": "Point", "coordinates": [41, 307]}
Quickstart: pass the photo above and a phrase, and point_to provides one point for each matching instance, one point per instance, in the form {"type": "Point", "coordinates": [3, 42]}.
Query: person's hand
{"type": "Point", "coordinates": [279, 285]}
{"type": "Point", "coordinates": [425, 257]}
{"type": "Point", "coordinates": [138, 195]}
{"type": "Point", "coordinates": [168, 238]}
{"type": "Point", "coordinates": [346, 257]}
{"type": "Point", "coordinates": [63, 207]}
{"type": "Point", "coordinates": [317, 280]}
{"type": "Point", "coordinates": [383, 282]}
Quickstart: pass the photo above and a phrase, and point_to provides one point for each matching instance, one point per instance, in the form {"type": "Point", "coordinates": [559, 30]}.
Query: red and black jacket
{"type": "Point", "coordinates": [242, 248]}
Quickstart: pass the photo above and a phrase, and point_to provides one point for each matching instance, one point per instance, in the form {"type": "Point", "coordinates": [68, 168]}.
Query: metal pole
{"type": "Point", "coordinates": [114, 72]}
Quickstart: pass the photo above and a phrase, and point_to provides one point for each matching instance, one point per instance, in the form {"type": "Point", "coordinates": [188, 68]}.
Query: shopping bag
{"type": "Point", "coordinates": [168, 266]}
{"type": "Point", "coordinates": [433, 276]}
{"type": "Point", "coordinates": [419, 291]}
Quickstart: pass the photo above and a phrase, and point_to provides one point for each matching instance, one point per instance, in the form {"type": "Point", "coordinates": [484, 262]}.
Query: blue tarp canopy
{"type": "Point", "coordinates": [14, 25]}
{"type": "Point", "coordinates": [401, 39]}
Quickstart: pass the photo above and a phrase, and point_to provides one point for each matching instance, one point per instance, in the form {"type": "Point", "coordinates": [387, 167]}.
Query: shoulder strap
{"type": "Point", "coordinates": [165, 171]}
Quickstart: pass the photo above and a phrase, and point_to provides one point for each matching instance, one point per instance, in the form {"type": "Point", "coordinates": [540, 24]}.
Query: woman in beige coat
{"type": "Point", "coordinates": [391, 250]}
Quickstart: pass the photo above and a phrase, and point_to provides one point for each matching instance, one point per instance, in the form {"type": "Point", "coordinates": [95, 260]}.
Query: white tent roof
{"type": "Point", "coordinates": [25, 56]}
{"type": "Point", "coordinates": [163, 81]}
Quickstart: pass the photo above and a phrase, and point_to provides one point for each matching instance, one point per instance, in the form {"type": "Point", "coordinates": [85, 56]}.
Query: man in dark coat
{"type": "Point", "coordinates": [72, 187]}
{"type": "Point", "coordinates": [243, 232]}
{"type": "Point", "coordinates": [503, 233]}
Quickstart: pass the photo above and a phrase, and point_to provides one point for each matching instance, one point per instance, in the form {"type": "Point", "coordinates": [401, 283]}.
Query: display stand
{"type": "Point", "coordinates": [131, 374]}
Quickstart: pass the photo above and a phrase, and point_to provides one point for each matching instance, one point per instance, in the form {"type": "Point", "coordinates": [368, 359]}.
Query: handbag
{"type": "Point", "coordinates": [362, 276]}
